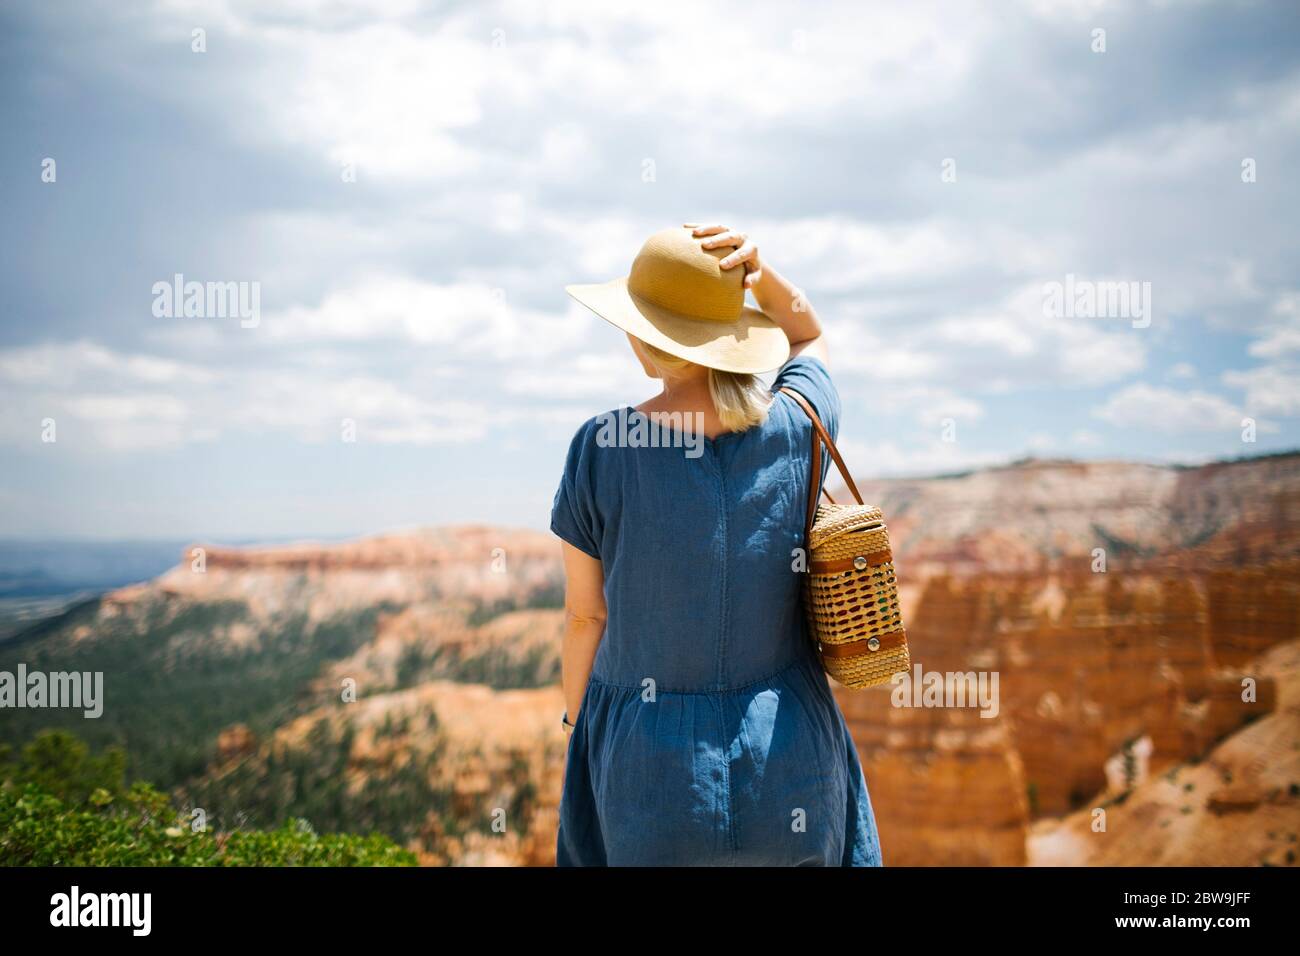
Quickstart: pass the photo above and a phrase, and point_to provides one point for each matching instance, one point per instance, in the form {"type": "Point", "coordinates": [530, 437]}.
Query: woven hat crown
{"type": "Point", "coordinates": [674, 272]}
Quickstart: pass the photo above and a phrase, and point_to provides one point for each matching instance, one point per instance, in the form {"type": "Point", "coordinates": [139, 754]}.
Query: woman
{"type": "Point", "coordinates": [702, 727]}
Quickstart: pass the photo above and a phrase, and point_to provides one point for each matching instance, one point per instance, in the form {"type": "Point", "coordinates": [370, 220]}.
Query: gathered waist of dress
{"type": "Point", "coordinates": [799, 659]}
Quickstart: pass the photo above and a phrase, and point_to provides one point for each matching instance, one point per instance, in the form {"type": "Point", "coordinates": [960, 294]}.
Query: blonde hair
{"type": "Point", "coordinates": [739, 398]}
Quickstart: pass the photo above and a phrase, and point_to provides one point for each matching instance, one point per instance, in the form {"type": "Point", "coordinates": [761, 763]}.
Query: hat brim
{"type": "Point", "coordinates": [753, 343]}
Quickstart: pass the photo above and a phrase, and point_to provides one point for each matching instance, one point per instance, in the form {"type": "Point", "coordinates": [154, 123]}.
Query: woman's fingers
{"type": "Point", "coordinates": [736, 239]}
{"type": "Point", "coordinates": [697, 230]}
{"type": "Point", "coordinates": [746, 252]}
{"type": "Point", "coordinates": [719, 237]}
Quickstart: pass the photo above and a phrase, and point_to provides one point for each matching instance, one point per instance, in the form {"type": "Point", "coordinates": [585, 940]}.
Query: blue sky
{"type": "Point", "coordinates": [502, 150]}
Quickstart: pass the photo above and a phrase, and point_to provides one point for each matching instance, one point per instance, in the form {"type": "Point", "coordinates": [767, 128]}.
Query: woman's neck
{"type": "Point", "coordinates": [686, 395]}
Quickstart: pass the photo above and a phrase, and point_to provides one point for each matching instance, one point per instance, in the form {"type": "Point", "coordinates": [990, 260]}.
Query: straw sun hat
{"type": "Point", "coordinates": [677, 298]}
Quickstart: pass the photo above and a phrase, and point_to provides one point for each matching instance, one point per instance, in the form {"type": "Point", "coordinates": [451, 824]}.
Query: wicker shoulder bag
{"type": "Point", "coordinates": [850, 593]}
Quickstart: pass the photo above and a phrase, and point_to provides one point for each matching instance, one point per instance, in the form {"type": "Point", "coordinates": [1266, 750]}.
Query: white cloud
{"type": "Point", "coordinates": [1274, 387]}
{"type": "Point", "coordinates": [463, 319]}
{"type": "Point", "coordinates": [307, 403]}
{"type": "Point", "coordinates": [842, 254]}
{"type": "Point", "coordinates": [917, 458]}
{"type": "Point", "coordinates": [402, 93]}
{"type": "Point", "coordinates": [930, 406]}
{"type": "Point", "coordinates": [605, 377]}
{"type": "Point", "coordinates": [1154, 408]}
{"type": "Point", "coordinates": [1270, 389]}
{"type": "Point", "coordinates": [84, 363]}
{"type": "Point", "coordinates": [1282, 336]}
{"type": "Point", "coordinates": [384, 97]}
{"type": "Point", "coordinates": [159, 407]}
{"type": "Point", "coordinates": [1010, 346]}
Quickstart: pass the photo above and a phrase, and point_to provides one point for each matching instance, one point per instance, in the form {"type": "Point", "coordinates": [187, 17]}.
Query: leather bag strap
{"type": "Point", "coordinates": [820, 437]}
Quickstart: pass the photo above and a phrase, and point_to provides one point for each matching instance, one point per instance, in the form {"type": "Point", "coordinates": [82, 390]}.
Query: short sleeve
{"type": "Point", "coordinates": [574, 516]}
{"type": "Point", "coordinates": [811, 379]}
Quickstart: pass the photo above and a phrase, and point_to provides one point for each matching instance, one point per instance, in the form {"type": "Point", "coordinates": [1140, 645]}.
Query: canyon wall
{"type": "Point", "coordinates": [1087, 664]}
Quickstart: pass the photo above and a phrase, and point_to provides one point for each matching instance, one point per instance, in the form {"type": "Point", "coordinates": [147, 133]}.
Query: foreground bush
{"type": "Point", "coordinates": [62, 806]}
{"type": "Point", "coordinates": [141, 829]}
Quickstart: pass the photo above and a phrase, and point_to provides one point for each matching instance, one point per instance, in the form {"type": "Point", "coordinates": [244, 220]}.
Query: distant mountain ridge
{"type": "Point", "coordinates": [1037, 514]}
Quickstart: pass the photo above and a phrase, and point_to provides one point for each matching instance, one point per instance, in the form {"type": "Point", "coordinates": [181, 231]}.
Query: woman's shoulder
{"type": "Point", "coordinates": [803, 368]}
{"type": "Point", "coordinates": [810, 377]}
{"type": "Point", "coordinates": [596, 433]}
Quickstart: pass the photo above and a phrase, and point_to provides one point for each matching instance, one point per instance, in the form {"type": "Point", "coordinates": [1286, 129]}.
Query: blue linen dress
{"type": "Point", "coordinates": [707, 734]}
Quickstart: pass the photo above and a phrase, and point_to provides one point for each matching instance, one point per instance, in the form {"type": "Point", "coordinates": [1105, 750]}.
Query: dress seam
{"type": "Point", "coordinates": [723, 625]}
{"type": "Point", "coordinates": [726, 786]}
{"type": "Point", "coordinates": [722, 591]}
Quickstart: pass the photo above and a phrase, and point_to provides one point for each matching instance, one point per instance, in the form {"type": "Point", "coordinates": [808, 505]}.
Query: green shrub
{"type": "Point", "coordinates": [142, 829]}
{"type": "Point", "coordinates": [60, 805]}
{"type": "Point", "coordinates": [61, 764]}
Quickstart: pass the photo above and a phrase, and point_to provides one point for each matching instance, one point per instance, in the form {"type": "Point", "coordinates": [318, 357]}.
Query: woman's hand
{"type": "Point", "coordinates": [776, 296]}
{"type": "Point", "coordinates": [721, 237]}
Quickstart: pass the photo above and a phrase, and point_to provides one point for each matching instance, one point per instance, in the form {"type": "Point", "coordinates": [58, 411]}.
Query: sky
{"type": "Point", "coordinates": [408, 187]}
